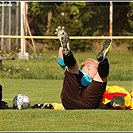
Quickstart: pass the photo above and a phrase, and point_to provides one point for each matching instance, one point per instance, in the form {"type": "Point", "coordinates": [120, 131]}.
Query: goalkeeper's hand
{"type": "Point", "coordinates": [117, 101]}
{"type": "Point", "coordinates": [59, 30]}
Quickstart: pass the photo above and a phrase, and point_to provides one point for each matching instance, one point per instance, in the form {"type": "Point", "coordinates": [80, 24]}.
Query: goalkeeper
{"type": "Point", "coordinates": [110, 100]}
{"type": "Point", "coordinates": [74, 95]}
{"type": "Point", "coordinates": [114, 97]}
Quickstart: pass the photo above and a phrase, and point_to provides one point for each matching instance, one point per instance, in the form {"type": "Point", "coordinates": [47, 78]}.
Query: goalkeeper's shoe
{"type": "Point", "coordinates": [117, 101]}
{"type": "Point", "coordinates": [48, 106]}
{"type": "Point", "coordinates": [37, 106]}
{"type": "Point", "coordinates": [3, 105]}
{"type": "Point", "coordinates": [64, 39]}
{"type": "Point", "coordinates": [103, 53]}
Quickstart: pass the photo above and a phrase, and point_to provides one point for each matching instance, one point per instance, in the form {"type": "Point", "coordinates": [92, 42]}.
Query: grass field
{"type": "Point", "coordinates": [40, 91]}
{"type": "Point", "coordinates": [41, 80]}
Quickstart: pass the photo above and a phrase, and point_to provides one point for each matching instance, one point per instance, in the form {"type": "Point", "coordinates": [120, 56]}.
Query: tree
{"type": "Point", "coordinates": [79, 18]}
{"type": "Point", "coordinates": [130, 21]}
{"type": "Point", "coordinates": [68, 14]}
{"type": "Point", "coordinates": [120, 22]}
{"type": "Point", "coordinates": [40, 14]}
{"type": "Point", "coordinates": [130, 17]}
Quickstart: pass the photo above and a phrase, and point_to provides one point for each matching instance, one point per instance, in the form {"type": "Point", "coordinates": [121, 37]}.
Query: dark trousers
{"type": "Point", "coordinates": [74, 96]}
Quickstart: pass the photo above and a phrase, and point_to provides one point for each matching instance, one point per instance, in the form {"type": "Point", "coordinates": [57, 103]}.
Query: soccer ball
{"type": "Point", "coordinates": [21, 101]}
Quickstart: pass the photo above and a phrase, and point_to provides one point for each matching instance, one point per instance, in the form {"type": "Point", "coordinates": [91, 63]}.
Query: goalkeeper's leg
{"type": "Point", "coordinates": [68, 56]}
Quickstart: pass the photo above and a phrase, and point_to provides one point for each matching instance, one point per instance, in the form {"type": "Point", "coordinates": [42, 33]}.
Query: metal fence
{"type": "Point", "coordinates": [10, 23]}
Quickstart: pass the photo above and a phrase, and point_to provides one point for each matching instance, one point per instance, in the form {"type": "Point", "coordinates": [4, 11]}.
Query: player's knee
{"type": "Point", "coordinates": [103, 68]}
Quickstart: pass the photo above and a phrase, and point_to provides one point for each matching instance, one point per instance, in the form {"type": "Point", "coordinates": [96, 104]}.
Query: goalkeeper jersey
{"type": "Point", "coordinates": [112, 91]}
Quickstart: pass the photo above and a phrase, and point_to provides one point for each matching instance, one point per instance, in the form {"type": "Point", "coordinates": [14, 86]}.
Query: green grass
{"type": "Point", "coordinates": [75, 120]}
{"type": "Point", "coordinates": [121, 66]}
{"type": "Point", "coordinates": [40, 91]}
{"type": "Point", "coordinates": [33, 78]}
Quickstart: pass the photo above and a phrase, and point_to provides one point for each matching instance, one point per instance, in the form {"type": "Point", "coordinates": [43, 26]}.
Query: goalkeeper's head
{"type": "Point", "coordinates": [90, 66]}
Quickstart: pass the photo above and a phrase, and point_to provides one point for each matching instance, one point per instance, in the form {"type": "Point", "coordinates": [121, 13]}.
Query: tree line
{"type": "Point", "coordinates": [79, 19]}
